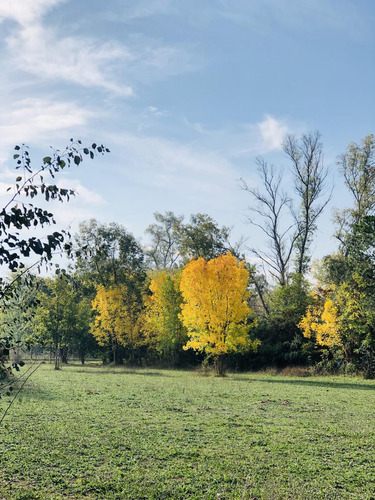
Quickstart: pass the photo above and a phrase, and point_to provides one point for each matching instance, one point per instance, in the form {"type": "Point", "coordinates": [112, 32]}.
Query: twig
{"type": "Point", "coordinates": [15, 396]}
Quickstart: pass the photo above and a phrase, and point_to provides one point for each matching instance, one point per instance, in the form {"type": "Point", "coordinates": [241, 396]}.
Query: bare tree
{"type": "Point", "coordinates": [274, 207]}
{"type": "Point", "coordinates": [310, 175]}
{"type": "Point", "coordinates": [358, 168]}
{"type": "Point", "coordinates": [289, 230]}
{"type": "Point", "coordinates": [357, 165]}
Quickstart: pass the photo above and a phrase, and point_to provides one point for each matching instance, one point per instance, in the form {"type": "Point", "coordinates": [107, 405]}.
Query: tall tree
{"type": "Point", "coordinates": [274, 216]}
{"type": "Point", "coordinates": [358, 168]}
{"type": "Point", "coordinates": [202, 237]}
{"type": "Point", "coordinates": [357, 165]}
{"type": "Point", "coordinates": [215, 309]}
{"type": "Point", "coordinates": [56, 319]}
{"type": "Point", "coordinates": [107, 254]}
{"type": "Point", "coordinates": [116, 321]}
{"type": "Point", "coordinates": [288, 230]}
{"type": "Point", "coordinates": [162, 316]}
{"type": "Point", "coordinates": [164, 252]}
{"type": "Point", "coordinates": [310, 175]}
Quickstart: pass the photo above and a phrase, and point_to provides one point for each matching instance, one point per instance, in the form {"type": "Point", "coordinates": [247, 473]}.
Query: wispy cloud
{"type": "Point", "coordinates": [174, 167]}
{"type": "Point", "coordinates": [83, 61]}
{"type": "Point", "coordinates": [43, 51]}
{"type": "Point", "coordinates": [139, 9]}
{"type": "Point", "coordinates": [306, 15]}
{"type": "Point", "coordinates": [40, 50]}
{"type": "Point", "coordinates": [245, 139]}
{"type": "Point", "coordinates": [39, 120]}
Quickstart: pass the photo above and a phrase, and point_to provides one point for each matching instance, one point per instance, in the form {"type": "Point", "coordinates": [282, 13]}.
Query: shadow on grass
{"type": "Point", "coordinates": [310, 383]}
{"type": "Point", "coordinates": [103, 370]}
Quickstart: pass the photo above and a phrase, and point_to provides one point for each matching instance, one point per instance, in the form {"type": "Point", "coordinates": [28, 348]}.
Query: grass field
{"type": "Point", "coordinates": [102, 433]}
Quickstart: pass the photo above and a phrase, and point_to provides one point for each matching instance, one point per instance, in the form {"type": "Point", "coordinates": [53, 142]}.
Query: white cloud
{"type": "Point", "coordinates": [43, 51]}
{"type": "Point", "coordinates": [34, 119]}
{"type": "Point", "coordinates": [25, 12]}
{"type": "Point", "coordinates": [272, 132]}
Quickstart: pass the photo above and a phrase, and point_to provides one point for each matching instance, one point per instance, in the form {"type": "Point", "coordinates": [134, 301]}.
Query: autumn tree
{"type": "Point", "coordinates": [162, 316]}
{"type": "Point", "coordinates": [116, 320]}
{"type": "Point", "coordinates": [215, 310]}
{"type": "Point", "coordinates": [342, 321]}
{"type": "Point", "coordinates": [321, 321]}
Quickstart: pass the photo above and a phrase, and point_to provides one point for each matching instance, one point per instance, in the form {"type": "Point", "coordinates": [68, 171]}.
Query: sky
{"type": "Point", "coordinates": [186, 94]}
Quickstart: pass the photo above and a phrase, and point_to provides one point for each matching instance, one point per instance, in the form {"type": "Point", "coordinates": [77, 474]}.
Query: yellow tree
{"type": "Point", "coordinates": [215, 309]}
{"type": "Point", "coordinates": [321, 321]}
{"type": "Point", "coordinates": [162, 324]}
{"type": "Point", "coordinates": [116, 320]}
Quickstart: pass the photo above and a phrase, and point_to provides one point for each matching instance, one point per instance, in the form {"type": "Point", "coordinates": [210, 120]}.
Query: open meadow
{"type": "Point", "coordinates": [104, 433]}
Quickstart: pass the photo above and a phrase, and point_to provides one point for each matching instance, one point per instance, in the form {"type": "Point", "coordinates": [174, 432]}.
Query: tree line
{"type": "Point", "coordinates": [191, 295]}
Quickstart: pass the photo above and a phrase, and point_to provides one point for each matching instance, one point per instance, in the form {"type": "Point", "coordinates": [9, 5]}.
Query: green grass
{"type": "Point", "coordinates": [103, 433]}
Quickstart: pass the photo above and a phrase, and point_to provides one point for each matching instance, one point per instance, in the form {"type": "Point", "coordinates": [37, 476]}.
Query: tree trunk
{"type": "Point", "coordinates": [219, 363]}
{"type": "Point", "coordinates": [82, 357]}
{"type": "Point", "coordinates": [57, 359]}
{"type": "Point", "coordinates": [64, 355]}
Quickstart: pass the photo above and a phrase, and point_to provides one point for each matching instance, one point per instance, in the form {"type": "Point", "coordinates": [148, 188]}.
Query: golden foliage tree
{"type": "Point", "coordinates": [162, 324]}
{"type": "Point", "coordinates": [116, 320]}
{"type": "Point", "coordinates": [215, 309]}
{"type": "Point", "coordinates": [321, 321]}
{"type": "Point", "coordinates": [338, 318]}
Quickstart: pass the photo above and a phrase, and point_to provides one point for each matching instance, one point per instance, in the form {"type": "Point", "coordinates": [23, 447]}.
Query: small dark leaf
{"type": "Point", "coordinates": [77, 160]}
{"type": "Point", "coordinates": [19, 179]}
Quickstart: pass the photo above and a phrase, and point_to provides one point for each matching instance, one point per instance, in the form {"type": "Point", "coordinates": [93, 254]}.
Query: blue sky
{"type": "Point", "coordinates": [186, 94]}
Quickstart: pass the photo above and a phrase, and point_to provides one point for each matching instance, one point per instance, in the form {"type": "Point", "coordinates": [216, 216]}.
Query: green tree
{"type": "Point", "coordinates": [56, 320]}
{"type": "Point", "coordinates": [202, 237]}
{"type": "Point", "coordinates": [107, 254]}
{"type": "Point", "coordinates": [162, 324]}
{"type": "Point", "coordinates": [164, 251]}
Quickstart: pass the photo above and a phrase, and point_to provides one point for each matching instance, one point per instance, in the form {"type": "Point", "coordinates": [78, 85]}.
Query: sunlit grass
{"type": "Point", "coordinates": [107, 433]}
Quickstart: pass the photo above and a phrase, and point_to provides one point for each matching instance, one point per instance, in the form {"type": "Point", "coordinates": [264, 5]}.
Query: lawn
{"type": "Point", "coordinates": [104, 433]}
